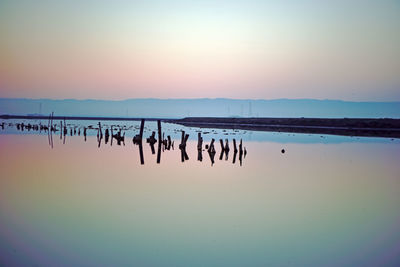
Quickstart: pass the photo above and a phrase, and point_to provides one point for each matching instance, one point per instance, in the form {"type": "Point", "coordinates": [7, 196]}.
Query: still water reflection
{"type": "Point", "coordinates": [320, 203]}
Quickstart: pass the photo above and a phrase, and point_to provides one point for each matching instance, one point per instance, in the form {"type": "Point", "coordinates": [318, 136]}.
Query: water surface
{"type": "Point", "coordinates": [327, 201]}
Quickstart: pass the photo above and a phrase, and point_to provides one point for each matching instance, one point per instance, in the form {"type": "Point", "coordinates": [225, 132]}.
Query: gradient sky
{"type": "Point", "coordinates": [347, 50]}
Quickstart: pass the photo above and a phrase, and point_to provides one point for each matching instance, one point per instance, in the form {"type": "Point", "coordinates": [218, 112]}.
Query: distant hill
{"type": "Point", "coordinates": [202, 107]}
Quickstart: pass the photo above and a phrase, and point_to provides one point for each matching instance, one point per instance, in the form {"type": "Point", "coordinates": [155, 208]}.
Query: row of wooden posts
{"type": "Point", "coordinates": [163, 144]}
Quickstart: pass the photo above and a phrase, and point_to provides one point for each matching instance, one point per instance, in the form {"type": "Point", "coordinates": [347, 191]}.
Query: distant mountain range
{"type": "Point", "coordinates": [201, 107]}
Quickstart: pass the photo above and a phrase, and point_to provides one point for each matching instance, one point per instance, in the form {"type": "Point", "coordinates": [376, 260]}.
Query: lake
{"type": "Point", "coordinates": [327, 201]}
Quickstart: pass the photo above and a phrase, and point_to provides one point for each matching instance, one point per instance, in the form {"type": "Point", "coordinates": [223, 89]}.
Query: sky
{"type": "Point", "coordinates": [243, 49]}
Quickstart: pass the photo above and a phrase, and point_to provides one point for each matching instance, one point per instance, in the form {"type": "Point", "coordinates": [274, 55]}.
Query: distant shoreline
{"type": "Point", "coordinates": [384, 127]}
{"type": "Point", "coordinates": [340, 126]}
{"type": "Point", "coordinates": [76, 118]}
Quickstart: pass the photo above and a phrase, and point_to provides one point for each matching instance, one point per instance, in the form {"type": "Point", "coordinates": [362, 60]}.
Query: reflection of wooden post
{"type": "Point", "coordinates": [159, 142]}
{"type": "Point", "coordinates": [234, 156]}
{"type": "Point", "coordinates": [221, 155]}
{"type": "Point", "coordinates": [199, 155]}
{"type": "Point", "coordinates": [227, 145]}
{"type": "Point", "coordinates": [234, 146]}
{"type": "Point", "coordinates": [211, 151]}
{"type": "Point", "coordinates": [141, 153]}
{"type": "Point", "coordinates": [211, 146]}
{"type": "Point", "coordinates": [240, 152]}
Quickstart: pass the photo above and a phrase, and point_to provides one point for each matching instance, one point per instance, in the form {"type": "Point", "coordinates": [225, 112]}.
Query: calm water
{"type": "Point", "coordinates": [327, 201]}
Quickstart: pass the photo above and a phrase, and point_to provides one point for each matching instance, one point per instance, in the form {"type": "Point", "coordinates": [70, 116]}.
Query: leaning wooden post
{"type": "Point", "coordinates": [182, 140]}
{"type": "Point", "coordinates": [141, 129]}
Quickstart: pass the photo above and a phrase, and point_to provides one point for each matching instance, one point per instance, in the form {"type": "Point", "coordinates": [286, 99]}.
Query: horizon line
{"type": "Point", "coordinates": [199, 98]}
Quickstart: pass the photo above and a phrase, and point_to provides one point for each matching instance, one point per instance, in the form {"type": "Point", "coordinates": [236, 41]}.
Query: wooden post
{"type": "Point", "coordinates": [169, 142]}
{"type": "Point", "coordinates": [159, 141]}
{"type": "Point", "coordinates": [199, 142]}
{"type": "Point", "coordinates": [227, 145]}
{"type": "Point", "coordinates": [61, 130]}
{"type": "Point", "coordinates": [222, 145]}
{"type": "Point", "coordinates": [240, 152]}
{"type": "Point", "coordinates": [141, 129]}
{"type": "Point", "coordinates": [234, 145]}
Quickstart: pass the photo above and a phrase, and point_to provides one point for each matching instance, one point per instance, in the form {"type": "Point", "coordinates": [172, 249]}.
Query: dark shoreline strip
{"type": "Point", "coordinates": [385, 127]}
{"type": "Point", "coordinates": [389, 128]}
{"type": "Point", "coordinates": [77, 118]}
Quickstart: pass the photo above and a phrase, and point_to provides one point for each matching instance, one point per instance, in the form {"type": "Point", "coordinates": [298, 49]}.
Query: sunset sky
{"type": "Point", "coordinates": [252, 49]}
